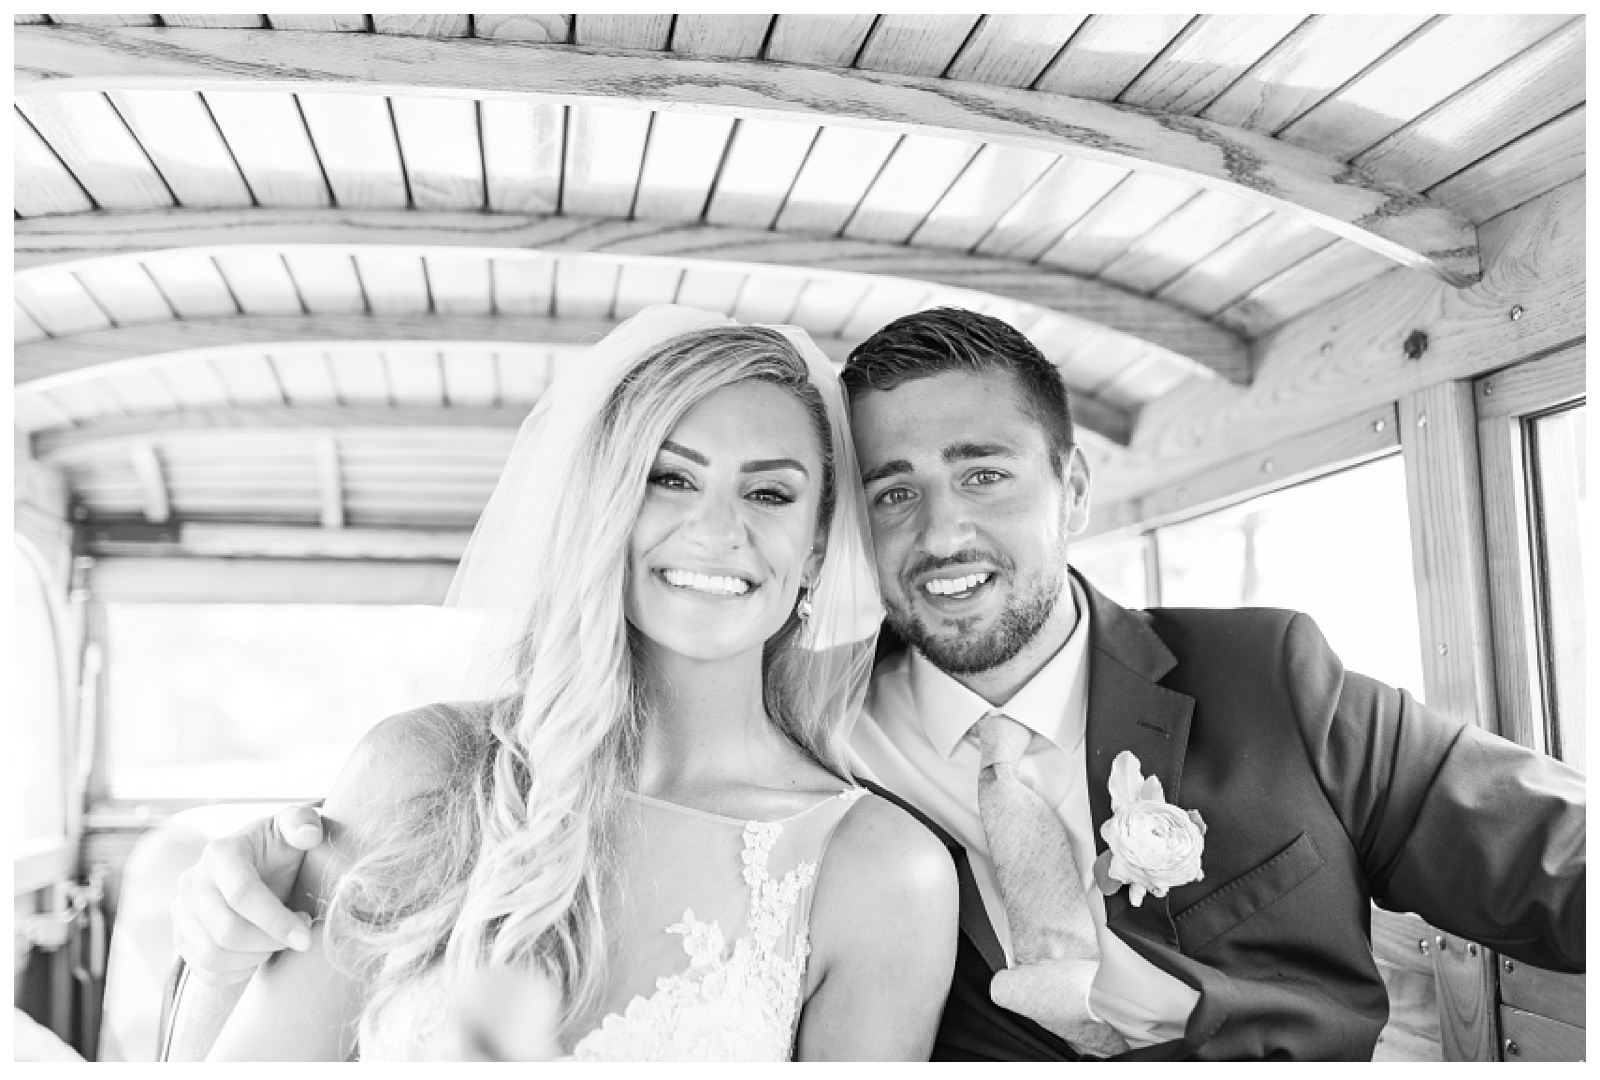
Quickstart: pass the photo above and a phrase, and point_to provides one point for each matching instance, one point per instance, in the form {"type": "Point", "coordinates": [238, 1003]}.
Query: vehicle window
{"type": "Point", "coordinates": [1116, 568]}
{"type": "Point", "coordinates": [38, 724]}
{"type": "Point", "coordinates": [1337, 547]}
{"type": "Point", "coordinates": [1559, 482]}
{"type": "Point", "coordinates": [210, 701]}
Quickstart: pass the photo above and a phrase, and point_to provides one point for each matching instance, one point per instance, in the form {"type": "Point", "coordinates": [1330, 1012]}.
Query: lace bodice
{"type": "Point", "coordinates": [711, 943]}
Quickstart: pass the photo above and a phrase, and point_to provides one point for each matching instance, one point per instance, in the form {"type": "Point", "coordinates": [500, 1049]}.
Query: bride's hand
{"type": "Point", "coordinates": [229, 917]}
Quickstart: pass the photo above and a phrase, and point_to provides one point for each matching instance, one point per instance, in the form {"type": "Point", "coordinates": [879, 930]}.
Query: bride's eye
{"type": "Point", "coordinates": [671, 480]}
{"type": "Point", "coordinates": [775, 496]}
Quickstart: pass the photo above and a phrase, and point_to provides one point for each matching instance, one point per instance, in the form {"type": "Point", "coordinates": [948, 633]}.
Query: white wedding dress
{"type": "Point", "coordinates": [710, 944]}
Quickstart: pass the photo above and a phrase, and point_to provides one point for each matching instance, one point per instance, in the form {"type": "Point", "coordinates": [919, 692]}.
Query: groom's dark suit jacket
{"type": "Point", "coordinates": [1322, 790]}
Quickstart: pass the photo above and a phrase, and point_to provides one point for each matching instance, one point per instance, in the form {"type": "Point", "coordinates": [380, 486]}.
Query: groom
{"type": "Point", "coordinates": [1168, 826]}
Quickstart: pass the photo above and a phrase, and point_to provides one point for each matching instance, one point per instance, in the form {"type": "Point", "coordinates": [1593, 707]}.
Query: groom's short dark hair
{"type": "Point", "coordinates": [943, 339]}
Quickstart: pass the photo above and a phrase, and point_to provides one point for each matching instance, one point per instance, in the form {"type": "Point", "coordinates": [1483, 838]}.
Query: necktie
{"type": "Point", "coordinates": [1054, 951]}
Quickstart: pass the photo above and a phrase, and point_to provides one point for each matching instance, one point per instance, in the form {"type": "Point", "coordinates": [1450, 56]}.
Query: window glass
{"type": "Point", "coordinates": [38, 780]}
{"type": "Point", "coordinates": [1116, 568]}
{"type": "Point", "coordinates": [1337, 548]}
{"type": "Point", "coordinates": [258, 700]}
{"type": "Point", "coordinates": [1560, 489]}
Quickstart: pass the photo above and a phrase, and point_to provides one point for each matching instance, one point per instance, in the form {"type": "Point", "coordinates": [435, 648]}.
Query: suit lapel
{"type": "Point", "coordinates": [1128, 711]}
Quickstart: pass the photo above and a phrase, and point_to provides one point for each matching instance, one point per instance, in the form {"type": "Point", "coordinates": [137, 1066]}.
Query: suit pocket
{"type": "Point", "coordinates": [1247, 895]}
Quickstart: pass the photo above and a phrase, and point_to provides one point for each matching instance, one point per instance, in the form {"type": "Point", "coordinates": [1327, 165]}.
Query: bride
{"type": "Point", "coordinates": [651, 812]}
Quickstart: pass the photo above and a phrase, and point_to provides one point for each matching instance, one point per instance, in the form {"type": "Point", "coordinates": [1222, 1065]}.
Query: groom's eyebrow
{"type": "Point", "coordinates": [886, 470]}
{"type": "Point", "coordinates": [684, 452]}
{"type": "Point", "coordinates": [967, 451]}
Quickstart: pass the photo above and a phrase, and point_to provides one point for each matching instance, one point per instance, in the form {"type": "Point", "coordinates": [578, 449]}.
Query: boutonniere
{"type": "Point", "coordinates": [1153, 845]}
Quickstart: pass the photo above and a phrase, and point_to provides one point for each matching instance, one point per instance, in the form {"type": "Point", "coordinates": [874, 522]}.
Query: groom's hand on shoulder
{"type": "Point", "coordinates": [230, 915]}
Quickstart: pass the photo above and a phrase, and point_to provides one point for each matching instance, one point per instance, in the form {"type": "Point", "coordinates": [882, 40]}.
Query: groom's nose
{"type": "Point", "coordinates": [945, 524]}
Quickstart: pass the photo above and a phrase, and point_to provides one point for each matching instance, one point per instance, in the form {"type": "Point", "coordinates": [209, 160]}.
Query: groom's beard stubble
{"type": "Point", "coordinates": [963, 653]}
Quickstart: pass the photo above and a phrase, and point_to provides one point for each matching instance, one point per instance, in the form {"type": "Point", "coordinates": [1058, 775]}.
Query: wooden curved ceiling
{"type": "Point", "coordinates": [211, 207]}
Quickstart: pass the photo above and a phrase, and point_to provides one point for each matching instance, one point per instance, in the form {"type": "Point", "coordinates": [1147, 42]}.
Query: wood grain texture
{"type": "Point", "coordinates": [326, 280]}
{"type": "Point", "coordinates": [915, 178]}
{"type": "Point", "coordinates": [1544, 993]}
{"type": "Point", "coordinates": [446, 26]}
{"type": "Point", "coordinates": [819, 40]}
{"type": "Point", "coordinates": [268, 139]}
{"type": "Point", "coordinates": [124, 291]}
{"type": "Point", "coordinates": [680, 166]}
{"type": "Point", "coordinates": [915, 44]}
{"type": "Point", "coordinates": [1395, 222]}
{"type": "Point", "coordinates": [217, 22]}
{"type": "Point", "coordinates": [441, 151]}
{"type": "Point", "coordinates": [49, 241]}
{"type": "Point", "coordinates": [1205, 59]}
{"type": "Point", "coordinates": [1186, 237]}
{"type": "Point", "coordinates": [1255, 255]}
{"type": "Point", "coordinates": [58, 303]}
{"type": "Point", "coordinates": [1108, 52]}
{"type": "Point", "coordinates": [1535, 259]}
{"type": "Point", "coordinates": [1013, 50]}
{"type": "Point", "coordinates": [94, 143]}
{"type": "Point", "coordinates": [1331, 272]}
{"type": "Point", "coordinates": [1071, 188]}
{"type": "Point", "coordinates": [551, 29]}
{"type": "Point", "coordinates": [40, 183]}
{"type": "Point", "coordinates": [623, 31]}
{"type": "Point", "coordinates": [522, 152]}
{"type": "Point", "coordinates": [323, 23]}
{"type": "Point", "coordinates": [1524, 169]}
{"type": "Point", "coordinates": [1528, 1037]}
{"type": "Point", "coordinates": [733, 36]}
{"type": "Point", "coordinates": [991, 184]}
{"type": "Point", "coordinates": [1442, 58]}
{"type": "Point", "coordinates": [176, 130]}
{"type": "Point", "coordinates": [192, 284]}
{"type": "Point", "coordinates": [1317, 58]}
{"type": "Point", "coordinates": [839, 169]}
{"type": "Point", "coordinates": [1535, 87]}
{"type": "Point", "coordinates": [1099, 237]}
{"type": "Point", "coordinates": [605, 148]}
{"type": "Point", "coordinates": [355, 141]}
{"type": "Point", "coordinates": [763, 159]}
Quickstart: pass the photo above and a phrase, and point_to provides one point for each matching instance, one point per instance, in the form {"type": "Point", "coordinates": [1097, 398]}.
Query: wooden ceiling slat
{"type": "Point", "coordinates": [885, 302]}
{"type": "Point", "coordinates": [1139, 204]}
{"type": "Point", "coordinates": [94, 143]}
{"type": "Point", "coordinates": [585, 289]}
{"type": "Point", "coordinates": [764, 157]}
{"type": "Point", "coordinates": [33, 412]}
{"type": "Point", "coordinates": [736, 37]}
{"type": "Point", "coordinates": [522, 376]}
{"type": "Point", "coordinates": [1331, 272]}
{"type": "Point", "coordinates": [124, 290]}
{"type": "Point", "coordinates": [641, 284]}
{"type": "Point", "coordinates": [1205, 59]}
{"type": "Point", "coordinates": [769, 298]}
{"type": "Point", "coordinates": [359, 376]}
{"type": "Point", "coordinates": [1108, 52]}
{"type": "Point", "coordinates": [24, 327]}
{"type": "Point", "coordinates": [826, 303]}
{"type": "Point", "coordinates": [59, 303]}
{"type": "Point", "coordinates": [140, 388]}
{"type": "Point", "coordinates": [1540, 161]}
{"type": "Point", "coordinates": [1189, 234]}
{"type": "Point", "coordinates": [820, 40]}
{"type": "Point", "coordinates": [304, 376]}
{"type": "Point", "coordinates": [240, 22]}
{"type": "Point", "coordinates": [1323, 53]}
{"type": "Point", "coordinates": [104, 20]}
{"type": "Point", "coordinates": [192, 284]}
{"type": "Point", "coordinates": [680, 165]}
{"type": "Point", "coordinates": [1071, 188]}
{"type": "Point", "coordinates": [547, 29]}
{"type": "Point", "coordinates": [469, 377]}
{"type": "Point", "coordinates": [440, 151]}
{"type": "Point", "coordinates": [524, 286]}
{"type": "Point", "coordinates": [1424, 71]}
{"type": "Point", "coordinates": [268, 139]}
{"type": "Point", "coordinates": [714, 290]}
{"type": "Point", "coordinates": [394, 282]}
{"type": "Point", "coordinates": [991, 184]}
{"type": "Point", "coordinates": [260, 281]}
{"type": "Point", "coordinates": [326, 280]}
{"type": "Point", "coordinates": [915, 44]}
{"type": "Point", "coordinates": [195, 383]}
{"type": "Point", "coordinates": [917, 175]}
{"type": "Point", "coordinates": [1269, 247]}
{"type": "Point", "coordinates": [85, 400]}
{"type": "Point", "coordinates": [1013, 50]}
{"type": "Point", "coordinates": [623, 31]}
{"type": "Point", "coordinates": [1529, 90]}
{"type": "Point", "coordinates": [355, 140]}
{"type": "Point", "coordinates": [459, 283]}
{"type": "Point", "coordinates": [423, 25]}
{"type": "Point", "coordinates": [40, 183]}
{"type": "Point", "coordinates": [326, 23]}
{"type": "Point", "coordinates": [29, 20]}
{"type": "Point", "coordinates": [605, 147]}
{"type": "Point", "coordinates": [249, 379]}
{"type": "Point", "coordinates": [522, 155]}
{"type": "Point", "coordinates": [415, 377]}
{"type": "Point", "coordinates": [840, 168]}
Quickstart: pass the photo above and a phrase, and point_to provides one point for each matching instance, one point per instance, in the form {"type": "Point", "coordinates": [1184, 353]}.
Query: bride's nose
{"type": "Point", "coordinates": [715, 521]}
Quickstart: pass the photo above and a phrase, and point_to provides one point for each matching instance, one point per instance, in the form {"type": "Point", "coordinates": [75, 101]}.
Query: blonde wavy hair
{"type": "Point", "coordinates": [504, 864]}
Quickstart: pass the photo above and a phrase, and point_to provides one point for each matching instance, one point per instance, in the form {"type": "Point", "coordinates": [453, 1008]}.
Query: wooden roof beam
{"type": "Point", "coordinates": [330, 482]}
{"type": "Point", "coordinates": [63, 240]}
{"type": "Point", "coordinates": [152, 482]}
{"type": "Point", "coordinates": [164, 342]}
{"type": "Point", "coordinates": [1402, 225]}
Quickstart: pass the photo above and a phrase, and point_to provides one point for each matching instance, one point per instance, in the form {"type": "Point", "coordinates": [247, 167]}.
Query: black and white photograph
{"type": "Point", "coordinates": [826, 537]}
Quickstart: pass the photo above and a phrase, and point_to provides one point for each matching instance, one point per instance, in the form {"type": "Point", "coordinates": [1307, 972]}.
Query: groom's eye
{"type": "Point", "coordinates": [891, 496]}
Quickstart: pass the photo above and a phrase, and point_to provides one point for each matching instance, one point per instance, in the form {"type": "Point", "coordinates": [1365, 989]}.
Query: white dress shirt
{"type": "Point", "coordinates": [916, 738]}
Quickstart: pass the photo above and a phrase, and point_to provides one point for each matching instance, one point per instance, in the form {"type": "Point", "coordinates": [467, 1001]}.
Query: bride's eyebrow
{"type": "Point", "coordinates": [684, 452]}
{"type": "Point", "coordinates": [771, 464]}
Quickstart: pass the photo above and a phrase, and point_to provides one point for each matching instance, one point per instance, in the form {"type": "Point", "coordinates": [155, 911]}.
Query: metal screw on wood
{"type": "Point", "coordinates": [1488, 388]}
{"type": "Point", "coordinates": [1472, 950]}
{"type": "Point", "coordinates": [1267, 466]}
{"type": "Point", "coordinates": [1509, 966]}
{"type": "Point", "coordinates": [1415, 344]}
{"type": "Point", "coordinates": [1378, 425]}
{"type": "Point", "coordinates": [1326, 348]}
{"type": "Point", "coordinates": [1512, 1049]}
{"type": "Point", "coordinates": [1422, 946]}
{"type": "Point", "coordinates": [1422, 419]}
{"type": "Point", "coordinates": [1440, 943]}
{"type": "Point", "coordinates": [1444, 650]}
{"type": "Point", "coordinates": [1516, 313]}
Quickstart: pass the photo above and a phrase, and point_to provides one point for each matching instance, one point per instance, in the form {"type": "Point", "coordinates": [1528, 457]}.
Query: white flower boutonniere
{"type": "Point", "coordinates": [1153, 845]}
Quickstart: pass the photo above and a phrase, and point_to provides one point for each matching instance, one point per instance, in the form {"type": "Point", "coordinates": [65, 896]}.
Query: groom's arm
{"type": "Point", "coordinates": [1480, 836]}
